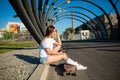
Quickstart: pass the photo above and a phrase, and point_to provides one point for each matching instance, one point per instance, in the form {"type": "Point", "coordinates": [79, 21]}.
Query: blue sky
{"type": "Point", "coordinates": [7, 13]}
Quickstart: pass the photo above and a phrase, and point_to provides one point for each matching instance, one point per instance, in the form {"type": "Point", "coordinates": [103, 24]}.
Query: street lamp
{"type": "Point", "coordinates": [59, 10]}
{"type": "Point", "coordinates": [68, 1]}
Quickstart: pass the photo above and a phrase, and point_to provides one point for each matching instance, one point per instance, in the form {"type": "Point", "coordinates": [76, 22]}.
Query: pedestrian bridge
{"type": "Point", "coordinates": [38, 14]}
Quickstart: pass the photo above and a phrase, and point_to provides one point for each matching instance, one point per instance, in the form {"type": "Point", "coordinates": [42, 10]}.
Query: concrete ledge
{"type": "Point", "coordinates": [40, 73]}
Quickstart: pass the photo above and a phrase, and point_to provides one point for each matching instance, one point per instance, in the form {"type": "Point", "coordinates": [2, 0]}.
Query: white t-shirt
{"type": "Point", "coordinates": [46, 43]}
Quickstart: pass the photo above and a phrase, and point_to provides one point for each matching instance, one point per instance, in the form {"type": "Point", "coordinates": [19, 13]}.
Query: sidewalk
{"type": "Point", "coordinates": [40, 72]}
{"type": "Point", "coordinates": [18, 64]}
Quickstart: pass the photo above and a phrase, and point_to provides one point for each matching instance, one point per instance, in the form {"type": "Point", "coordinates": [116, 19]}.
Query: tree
{"type": "Point", "coordinates": [8, 35]}
{"type": "Point", "coordinates": [68, 33]}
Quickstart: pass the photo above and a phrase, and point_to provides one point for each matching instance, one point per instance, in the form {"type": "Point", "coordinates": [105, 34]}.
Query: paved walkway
{"type": "Point", "coordinates": [101, 58]}
{"type": "Point", "coordinates": [18, 64]}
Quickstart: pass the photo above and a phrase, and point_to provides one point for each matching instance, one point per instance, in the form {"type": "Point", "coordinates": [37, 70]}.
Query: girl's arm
{"type": "Point", "coordinates": [52, 52]}
{"type": "Point", "coordinates": [58, 40]}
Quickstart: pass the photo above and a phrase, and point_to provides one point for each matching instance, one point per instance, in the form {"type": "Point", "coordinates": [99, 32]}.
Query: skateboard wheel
{"type": "Point", "coordinates": [64, 73]}
{"type": "Point", "coordinates": [75, 74]}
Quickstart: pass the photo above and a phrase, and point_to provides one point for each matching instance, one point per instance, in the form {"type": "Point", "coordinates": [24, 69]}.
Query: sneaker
{"type": "Point", "coordinates": [81, 67]}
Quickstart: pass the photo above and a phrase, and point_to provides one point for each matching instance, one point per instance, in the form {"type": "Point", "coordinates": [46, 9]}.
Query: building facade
{"type": "Point", "coordinates": [99, 26]}
{"type": "Point", "coordinates": [15, 27]}
{"type": "Point", "coordinates": [15, 31]}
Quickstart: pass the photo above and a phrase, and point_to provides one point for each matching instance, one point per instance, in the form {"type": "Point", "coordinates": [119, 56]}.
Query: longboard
{"type": "Point", "coordinates": [69, 70]}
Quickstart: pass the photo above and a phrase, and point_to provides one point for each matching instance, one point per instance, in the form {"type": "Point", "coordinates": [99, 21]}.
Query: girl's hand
{"type": "Point", "coordinates": [61, 52]}
{"type": "Point", "coordinates": [57, 31]}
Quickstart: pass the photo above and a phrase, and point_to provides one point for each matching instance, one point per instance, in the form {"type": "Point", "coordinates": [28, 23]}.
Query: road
{"type": "Point", "coordinates": [101, 58]}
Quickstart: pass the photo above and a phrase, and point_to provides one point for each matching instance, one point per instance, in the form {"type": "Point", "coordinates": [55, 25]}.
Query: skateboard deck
{"type": "Point", "coordinates": [69, 70]}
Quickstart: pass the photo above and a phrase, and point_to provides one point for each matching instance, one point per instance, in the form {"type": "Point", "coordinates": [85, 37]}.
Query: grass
{"type": "Point", "coordinates": [6, 46]}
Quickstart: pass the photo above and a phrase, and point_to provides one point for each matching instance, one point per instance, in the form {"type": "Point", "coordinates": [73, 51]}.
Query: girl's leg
{"type": "Point", "coordinates": [56, 58]}
{"type": "Point", "coordinates": [78, 66]}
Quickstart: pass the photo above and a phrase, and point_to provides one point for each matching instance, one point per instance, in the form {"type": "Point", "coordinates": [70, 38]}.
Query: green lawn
{"type": "Point", "coordinates": [6, 46]}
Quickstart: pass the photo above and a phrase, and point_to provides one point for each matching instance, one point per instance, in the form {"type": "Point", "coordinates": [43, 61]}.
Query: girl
{"type": "Point", "coordinates": [49, 49]}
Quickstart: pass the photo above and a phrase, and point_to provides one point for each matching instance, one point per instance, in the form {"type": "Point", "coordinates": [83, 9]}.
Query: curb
{"type": "Point", "coordinates": [40, 72]}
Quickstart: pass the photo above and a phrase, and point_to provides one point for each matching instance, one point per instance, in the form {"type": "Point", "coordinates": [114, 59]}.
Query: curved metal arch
{"type": "Point", "coordinates": [33, 4]}
{"type": "Point", "coordinates": [61, 3]}
{"type": "Point", "coordinates": [31, 15]}
{"type": "Point", "coordinates": [39, 5]}
{"type": "Point", "coordinates": [45, 6]}
{"type": "Point", "coordinates": [97, 7]}
{"type": "Point", "coordinates": [84, 9]}
{"type": "Point", "coordinates": [118, 17]}
{"type": "Point", "coordinates": [48, 11]}
{"type": "Point", "coordinates": [40, 14]}
{"type": "Point", "coordinates": [80, 14]}
{"type": "Point", "coordinates": [111, 26]}
{"type": "Point", "coordinates": [64, 17]}
{"type": "Point", "coordinates": [81, 0]}
{"type": "Point", "coordinates": [21, 12]}
{"type": "Point", "coordinates": [106, 35]}
{"type": "Point", "coordinates": [77, 13]}
{"type": "Point", "coordinates": [36, 26]}
{"type": "Point", "coordinates": [116, 10]}
{"type": "Point", "coordinates": [82, 22]}
{"type": "Point", "coordinates": [40, 10]}
{"type": "Point", "coordinates": [83, 15]}
{"type": "Point", "coordinates": [44, 12]}
{"type": "Point", "coordinates": [78, 17]}
{"type": "Point", "coordinates": [67, 17]}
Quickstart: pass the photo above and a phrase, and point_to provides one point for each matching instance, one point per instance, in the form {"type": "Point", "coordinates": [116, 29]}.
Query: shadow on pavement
{"type": "Point", "coordinates": [27, 58]}
{"type": "Point", "coordinates": [59, 68]}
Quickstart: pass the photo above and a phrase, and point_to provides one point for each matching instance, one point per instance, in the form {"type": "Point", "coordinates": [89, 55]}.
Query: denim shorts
{"type": "Point", "coordinates": [43, 60]}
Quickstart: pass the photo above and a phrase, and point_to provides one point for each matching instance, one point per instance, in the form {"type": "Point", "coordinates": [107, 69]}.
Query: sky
{"type": "Point", "coordinates": [7, 13]}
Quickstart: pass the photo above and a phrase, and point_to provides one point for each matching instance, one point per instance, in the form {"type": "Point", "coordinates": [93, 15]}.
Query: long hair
{"type": "Point", "coordinates": [49, 30]}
